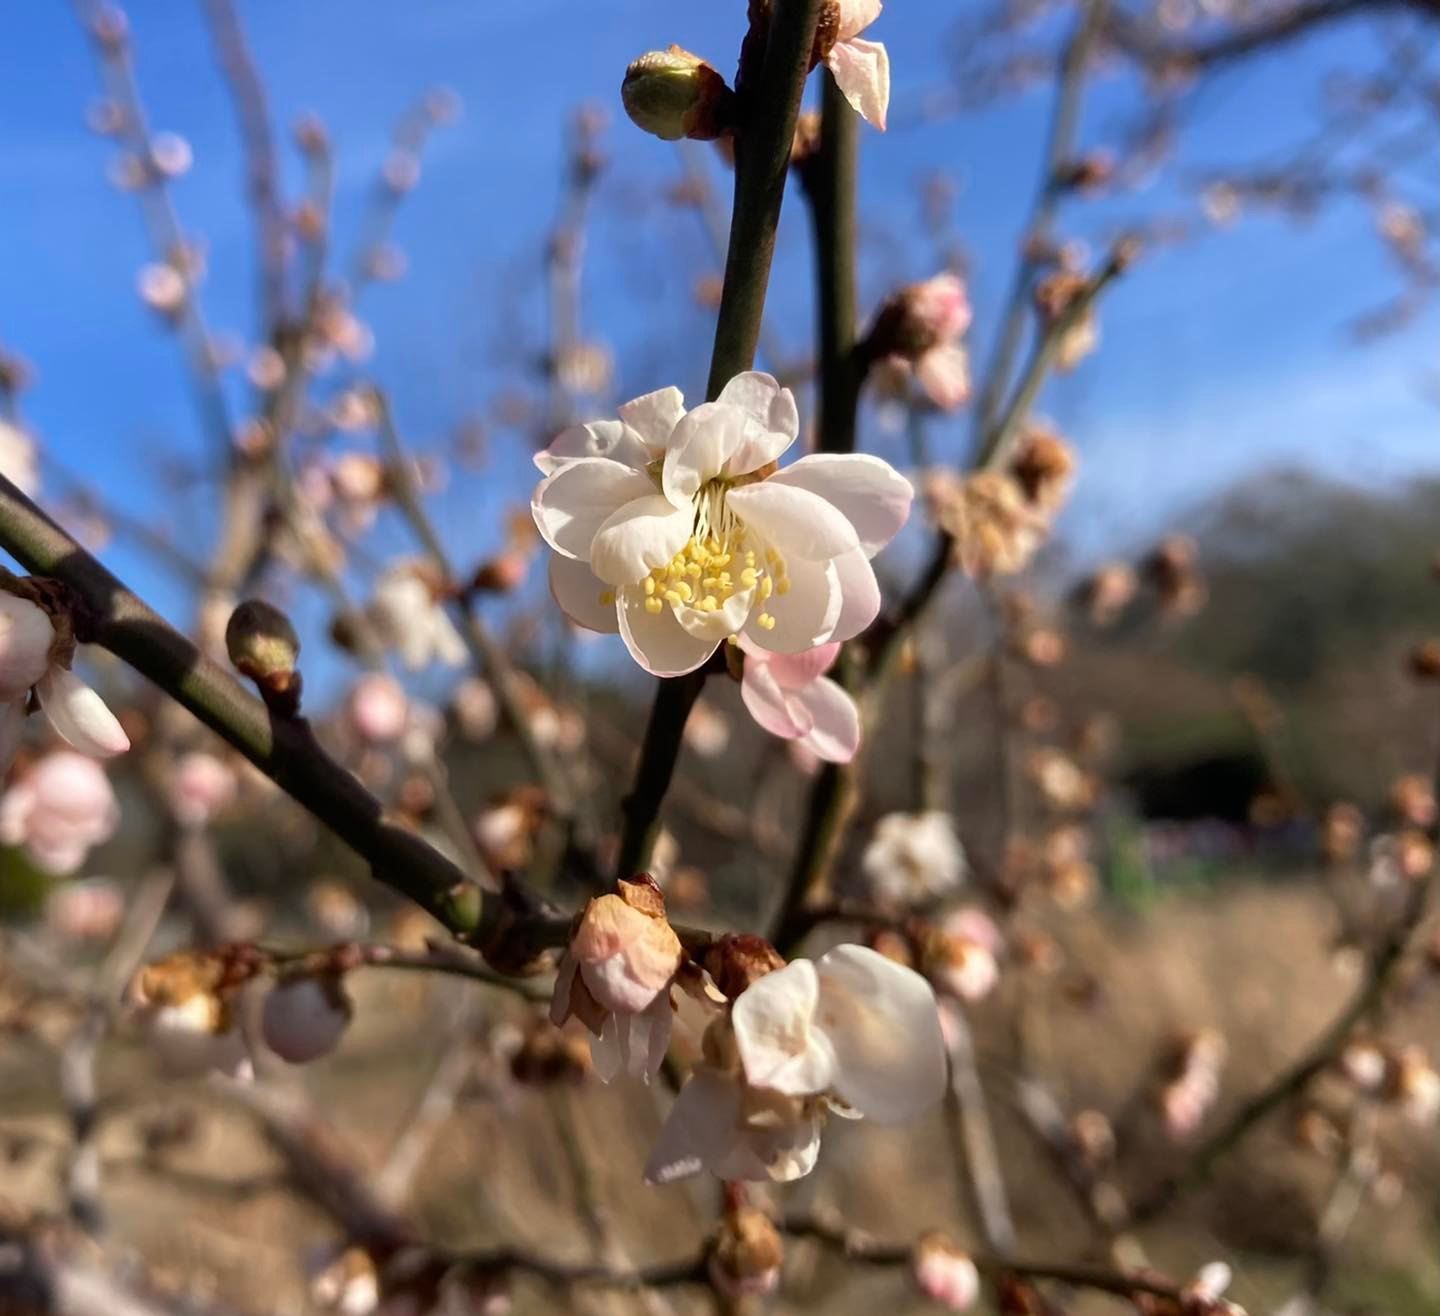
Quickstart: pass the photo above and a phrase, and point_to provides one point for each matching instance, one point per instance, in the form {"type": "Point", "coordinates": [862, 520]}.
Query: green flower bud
{"type": "Point", "coordinates": [263, 645]}
{"type": "Point", "coordinates": [675, 94]}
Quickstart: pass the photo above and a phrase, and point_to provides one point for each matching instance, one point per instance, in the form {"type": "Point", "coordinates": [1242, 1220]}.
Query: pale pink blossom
{"type": "Point", "coordinates": [861, 68]}
{"type": "Point", "coordinates": [58, 810]}
{"type": "Point", "coordinates": [378, 708]}
{"type": "Point", "coordinates": [201, 786]}
{"type": "Point", "coordinates": [945, 1274]}
{"type": "Point", "coordinates": [615, 977]}
{"type": "Point", "coordinates": [930, 320]}
{"type": "Point", "coordinates": [411, 620]}
{"type": "Point", "coordinates": [678, 530]}
{"type": "Point", "coordinates": [790, 696]}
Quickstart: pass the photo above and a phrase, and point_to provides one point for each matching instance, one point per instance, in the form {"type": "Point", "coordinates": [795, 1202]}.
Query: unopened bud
{"type": "Point", "coordinates": [263, 645]}
{"type": "Point", "coordinates": [304, 1017]}
{"type": "Point", "coordinates": [740, 959]}
{"type": "Point", "coordinates": [747, 1253]}
{"type": "Point", "coordinates": [674, 94]}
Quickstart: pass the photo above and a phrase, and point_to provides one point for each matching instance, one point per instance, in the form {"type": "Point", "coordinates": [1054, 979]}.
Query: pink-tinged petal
{"type": "Point", "coordinates": [700, 1129]}
{"type": "Point", "coordinates": [860, 592]}
{"type": "Point", "coordinates": [804, 616]}
{"type": "Point", "coordinates": [834, 733]}
{"type": "Point", "coordinates": [793, 670]}
{"type": "Point", "coordinates": [777, 420]}
{"type": "Point", "coordinates": [944, 374]}
{"type": "Point", "coordinates": [871, 494]}
{"type": "Point", "coordinates": [653, 417]}
{"type": "Point", "coordinates": [856, 16]}
{"type": "Point", "coordinates": [862, 72]}
{"type": "Point", "coordinates": [780, 1048]}
{"type": "Point", "coordinates": [598, 438]}
{"type": "Point", "coordinates": [79, 715]}
{"type": "Point", "coordinates": [570, 505]}
{"type": "Point", "coordinates": [12, 731]}
{"type": "Point", "coordinates": [884, 1025]}
{"type": "Point", "coordinates": [704, 440]}
{"type": "Point", "coordinates": [792, 520]}
{"type": "Point", "coordinates": [645, 533]}
{"type": "Point", "coordinates": [656, 640]}
{"type": "Point", "coordinates": [577, 590]}
{"type": "Point", "coordinates": [768, 704]}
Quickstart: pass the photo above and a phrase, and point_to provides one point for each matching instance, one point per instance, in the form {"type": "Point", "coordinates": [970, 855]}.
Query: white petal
{"type": "Point", "coordinates": [884, 1026]}
{"type": "Point", "coordinates": [860, 592]}
{"type": "Point", "coordinates": [774, 1031]}
{"type": "Point", "coordinates": [770, 705]}
{"type": "Point", "coordinates": [787, 1154]}
{"type": "Point", "coordinates": [834, 733]}
{"type": "Point", "coordinates": [599, 438]}
{"type": "Point", "coordinates": [608, 1052]}
{"type": "Point", "coordinates": [577, 590]}
{"type": "Point", "coordinates": [656, 640]}
{"type": "Point", "coordinates": [650, 1037]}
{"type": "Point", "coordinates": [805, 616]}
{"type": "Point", "coordinates": [572, 504]}
{"type": "Point", "coordinates": [872, 495]}
{"type": "Point", "coordinates": [79, 715]}
{"type": "Point", "coordinates": [643, 534]}
{"type": "Point", "coordinates": [857, 15]}
{"type": "Point", "coordinates": [702, 443]}
{"type": "Point", "coordinates": [12, 731]}
{"type": "Point", "coordinates": [653, 417]}
{"type": "Point", "coordinates": [794, 521]}
{"type": "Point", "coordinates": [944, 374]}
{"type": "Point", "coordinates": [700, 1129]}
{"type": "Point", "coordinates": [774, 412]}
{"type": "Point", "coordinates": [862, 72]}
{"type": "Point", "coordinates": [725, 621]}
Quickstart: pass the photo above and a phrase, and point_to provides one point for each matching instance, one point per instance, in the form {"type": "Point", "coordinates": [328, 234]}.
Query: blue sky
{"type": "Point", "coordinates": [1219, 357]}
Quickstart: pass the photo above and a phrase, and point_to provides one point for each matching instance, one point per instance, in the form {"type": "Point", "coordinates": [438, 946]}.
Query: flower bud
{"type": "Point", "coordinates": [304, 1017]}
{"type": "Point", "coordinates": [745, 1259]}
{"type": "Point", "coordinates": [26, 635]}
{"type": "Point", "coordinates": [263, 645]}
{"type": "Point", "coordinates": [737, 960]}
{"type": "Point", "coordinates": [200, 787]}
{"type": "Point", "coordinates": [945, 1274]}
{"type": "Point", "coordinates": [674, 94]}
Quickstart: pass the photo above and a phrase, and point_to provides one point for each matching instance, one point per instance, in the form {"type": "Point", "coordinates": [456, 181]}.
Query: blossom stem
{"type": "Point", "coordinates": [285, 750]}
{"type": "Point", "coordinates": [769, 108]}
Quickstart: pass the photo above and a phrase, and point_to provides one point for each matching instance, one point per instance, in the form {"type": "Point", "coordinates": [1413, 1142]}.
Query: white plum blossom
{"type": "Point", "coordinates": [615, 978]}
{"type": "Point", "coordinates": [409, 618]}
{"type": "Point", "coordinates": [914, 857]}
{"type": "Point", "coordinates": [58, 810]}
{"type": "Point", "coordinates": [852, 1033]}
{"type": "Point", "coordinates": [678, 530]}
{"type": "Point", "coordinates": [861, 69]}
{"type": "Point", "coordinates": [790, 696]}
{"type": "Point", "coordinates": [29, 664]}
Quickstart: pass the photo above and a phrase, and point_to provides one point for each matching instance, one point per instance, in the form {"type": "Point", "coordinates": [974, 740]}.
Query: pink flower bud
{"type": "Point", "coordinates": [304, 1017]}
{"type": "Point", "coordinates": [945, 1274]}
{"type": "Point", "coordinates": [201, 787]}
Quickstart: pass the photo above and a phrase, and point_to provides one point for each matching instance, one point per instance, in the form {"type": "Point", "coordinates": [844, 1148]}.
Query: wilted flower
{"type": "Point", "coordinates": [304, 1016]}
{"type": "Point", "coordinates": [185, 1005]}
{"type": "Point", "coordinates": [995, 529]}
{"type": "Point", "coordinates": [615, 978]}
{"type": "Point", "coordinates": [861, 69]}
{"type": "Point", "coordinates": [408, 617]}
{"type": "Point", "coordinates": [678, 530]}
{"type": "Point", "coordinates": [1170, 569]}
{"type": "Point", "coordinates": [1107, 592]}
{"type": "Point", "coordinates": [914, 857]}
{"type": "Point", "coordinates": [1412, 798]}
{"type": "Point", "coordinates": [1414, 1085]}
{"type": "Point", "coordinates": [1065, 786]}
{"type": "Point", "coordinates": [790, 696]}
{"type": "Point", "coordinates": [944, 1273]}
{"type": "Point", "coordinates": [960, 964]}
{"type": "Point", "coordinates": [1055, 295]}
{"type": "Point", "coordinates": [201, 786]}
{"type": "Point", "coordinates": [852, 1032]}
{"type": "Point", "coordinates": [1192, 1081]}
{"type": "Point", "coordinates": [920, 328]}
{"type": "Point", "coordinates": [378, 708]}
{"type": "Point", "coordinates": [58, 810]}
{"type": "Point", "coordinates": [1044, 467]}
{"type": "Point", "coordinates": [673, 94]}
